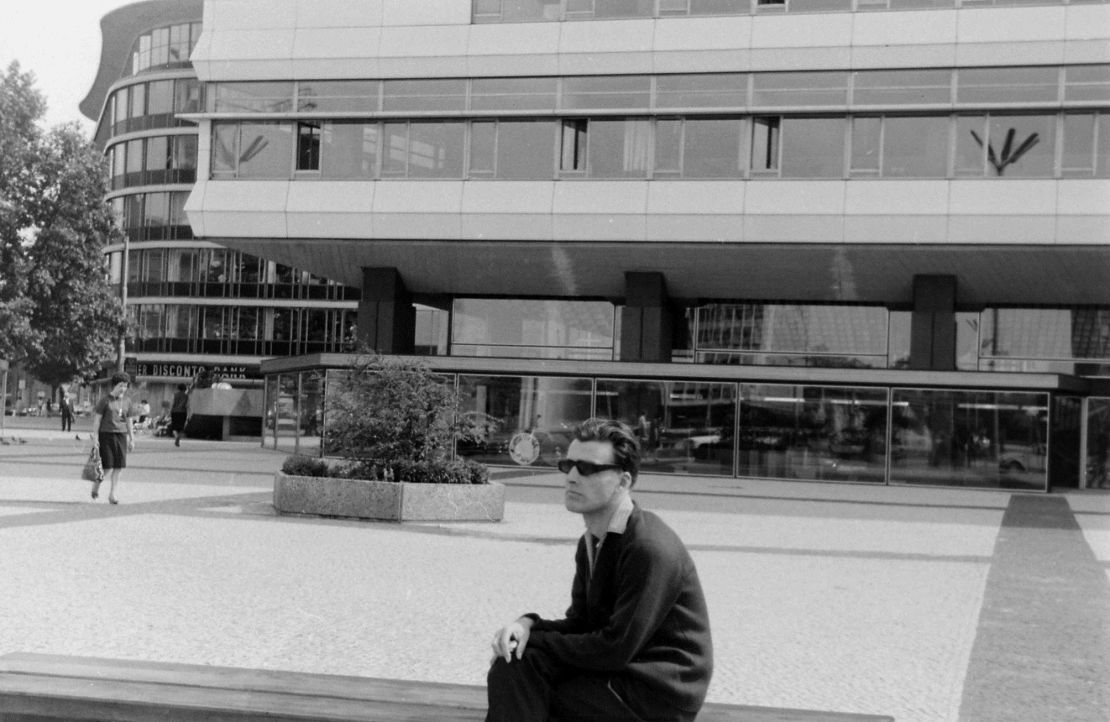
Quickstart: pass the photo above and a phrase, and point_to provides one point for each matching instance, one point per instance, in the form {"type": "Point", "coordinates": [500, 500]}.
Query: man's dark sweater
{"type": "Point", "coordinates": [643, 614]}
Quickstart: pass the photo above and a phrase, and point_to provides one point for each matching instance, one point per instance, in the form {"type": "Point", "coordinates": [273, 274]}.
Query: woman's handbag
{"type": "Point", "coordinates": [94, 469]}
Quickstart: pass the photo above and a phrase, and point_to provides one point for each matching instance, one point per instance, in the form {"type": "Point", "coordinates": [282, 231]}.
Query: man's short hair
{"type": "Point", "coordinates": [120, 378]}
{"type": "Point", "coordinates": [626, 447]}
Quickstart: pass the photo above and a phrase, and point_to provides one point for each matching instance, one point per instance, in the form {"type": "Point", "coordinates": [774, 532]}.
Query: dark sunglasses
{"type": "Point", "coordinates": [585, 468]}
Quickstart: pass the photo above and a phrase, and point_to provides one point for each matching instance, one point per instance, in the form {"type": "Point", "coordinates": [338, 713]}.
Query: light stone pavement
{"type": "Point", "coordinates": [834, 597]}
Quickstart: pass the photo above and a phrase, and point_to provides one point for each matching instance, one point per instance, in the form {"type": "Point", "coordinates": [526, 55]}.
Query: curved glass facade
{"type": "Point", "coordinates": [195, 306]}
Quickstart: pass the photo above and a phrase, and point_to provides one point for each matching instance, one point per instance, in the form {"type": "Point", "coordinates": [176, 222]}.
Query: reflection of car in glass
{"type": "Point", "coordinates": [1022, 457]}
{"type": "Point", "coordinates": [764, 438]}
{"type": "Point", "coordinates": [848, 443]}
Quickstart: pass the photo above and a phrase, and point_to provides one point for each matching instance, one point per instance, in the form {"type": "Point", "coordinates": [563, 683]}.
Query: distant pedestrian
{"type": "Point", "coordinates": [113, 434]}
{"type": "Point", "coordinates": [66, 407]}
{"type": "Point", "coordinates": [179, 413]}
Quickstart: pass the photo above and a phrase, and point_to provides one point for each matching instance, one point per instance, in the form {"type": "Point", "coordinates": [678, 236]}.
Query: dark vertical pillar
{"type": "Point", "coordinates": [386, 318]}
{"type": "Point", "coordinates": [646, 321]}
{"type": "Point", "coordinates": [933, 323]}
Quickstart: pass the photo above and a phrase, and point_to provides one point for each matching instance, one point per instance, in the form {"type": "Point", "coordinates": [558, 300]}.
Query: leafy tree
{"type": "Point", "coordinates": [20, 107]}
{"type": "Point", "coordinates": [58, 315]}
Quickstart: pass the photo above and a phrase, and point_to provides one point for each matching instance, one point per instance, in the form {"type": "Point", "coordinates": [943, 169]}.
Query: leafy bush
{"type": "Point", "coordinates": [396, 419]}
{"type": "Point", "coordinates": [305, 466]}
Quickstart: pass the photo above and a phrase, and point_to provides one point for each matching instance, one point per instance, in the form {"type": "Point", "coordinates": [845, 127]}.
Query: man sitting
{"type": "Point", "coordinates": [635, 643]}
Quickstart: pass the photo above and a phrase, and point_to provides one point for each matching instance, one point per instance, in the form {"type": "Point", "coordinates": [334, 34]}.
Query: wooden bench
{"type": "Point", "coordinates": [46, 688]}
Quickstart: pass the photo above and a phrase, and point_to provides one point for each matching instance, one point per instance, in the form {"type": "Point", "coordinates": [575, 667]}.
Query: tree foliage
{"type": "Point", "coordinates": [394, 413]}
{"type": "Point", "coordinates": [58, 315]}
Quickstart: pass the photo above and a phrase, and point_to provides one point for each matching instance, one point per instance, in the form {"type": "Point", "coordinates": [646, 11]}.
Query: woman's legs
{"type": "Point", "coordinates": [113, 478]}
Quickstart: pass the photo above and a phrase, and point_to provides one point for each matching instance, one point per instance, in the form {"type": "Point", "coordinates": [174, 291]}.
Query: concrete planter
{"type": "Point", "coordinates": [388, 500]}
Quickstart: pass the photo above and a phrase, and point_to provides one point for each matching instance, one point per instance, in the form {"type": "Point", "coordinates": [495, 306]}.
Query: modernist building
{"type": "Point", "coordinates": [196, 305]}
{"type": "Point", "coordinates": [848, 240]}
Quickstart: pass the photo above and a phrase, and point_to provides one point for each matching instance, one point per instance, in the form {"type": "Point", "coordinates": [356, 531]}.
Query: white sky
{"type": "Point", "coordinates": [59, 41]}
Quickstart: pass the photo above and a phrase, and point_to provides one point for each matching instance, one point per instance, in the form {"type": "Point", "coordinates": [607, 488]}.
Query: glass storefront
{"type": "Point", "coordinates": [815, 433]}
{"type": "Point", "coordinates": [684, 426]}
{"type": "Point", "coordinates": [529, 419]}
{"type": "Point", "coordinates": [1097, 434]}
{"type": "Point", "coordinates": [983, 439]}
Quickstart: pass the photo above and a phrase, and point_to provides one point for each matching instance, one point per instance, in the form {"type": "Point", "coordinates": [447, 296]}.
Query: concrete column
{"type": "Point", "coordinates": [386, 318]}
{"type": "Point", "coordinates": [646, 320]}
{"type": "Point", "coordinates": [933, 323]}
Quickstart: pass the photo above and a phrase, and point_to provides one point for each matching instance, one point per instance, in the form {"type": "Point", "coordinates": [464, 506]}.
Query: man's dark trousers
{"type": "Point", "coordinates": [536, 689]}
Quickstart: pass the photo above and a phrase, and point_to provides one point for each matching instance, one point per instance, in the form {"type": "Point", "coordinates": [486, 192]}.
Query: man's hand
{"type": "Point", "coordinates": [512, 637]}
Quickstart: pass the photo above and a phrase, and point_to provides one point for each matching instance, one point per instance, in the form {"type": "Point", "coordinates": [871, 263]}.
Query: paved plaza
{"type": "Point", "coordinates": [924, 604]}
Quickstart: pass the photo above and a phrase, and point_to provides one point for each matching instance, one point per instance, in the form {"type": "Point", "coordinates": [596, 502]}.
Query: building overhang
{"type": "Point", "coordinates": [789, 375]}
{"type": "Point", "coordinates": [986, 274]}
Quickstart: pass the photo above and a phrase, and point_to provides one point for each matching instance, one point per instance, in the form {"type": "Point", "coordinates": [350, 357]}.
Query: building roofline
{"type": "Point", "coordinates": [118, 31]}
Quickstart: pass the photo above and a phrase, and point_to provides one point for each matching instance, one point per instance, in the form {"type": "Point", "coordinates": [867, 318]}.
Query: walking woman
{"type": "Point", "coordinates": [179, 413]}
{"type": "Point", "coordinates": [113, 435]}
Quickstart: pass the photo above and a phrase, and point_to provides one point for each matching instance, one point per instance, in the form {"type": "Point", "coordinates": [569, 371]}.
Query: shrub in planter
{"type": "Point", "coordinates": [395, 420]}
{"type": "Point", "coordinates": [305, 466]}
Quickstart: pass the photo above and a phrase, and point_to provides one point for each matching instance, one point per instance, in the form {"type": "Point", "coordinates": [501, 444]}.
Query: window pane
{"type": "Point", "coordinates": [156, 209]}
{"type": "Point", "coordinates": [308, 146]}
{"type": "Point", "coordinates": [528, 418]}
{"type": "Point", "coordinates": [886, 87]}
{"type": "Point", "coordinates": [813, 433]}
{"type": "Point", "coordinates": [138, 101]}
{"type": "Point", "coordinates": [186, 96]}
{"type": "Point", "coordinates": [177, 208]}
{"type": "Point", "coordinates": [260, 97]}
{"type": "Point", "coordinates": [532, 322]}
{"type": "Point", "coordinates": [513, 93]}
{"type": "Point", "coordinates": [119, 156]}
{"type": "Point", "coordinates": [971, 150]}
{"type": "Point", "coordinates": [519, 11]}
{"type": "Point", "coordinates": [619, 148]}
{"type": "Point", "coordinates": [668, 147]}
{"type": "Point", "coordinates": [819, 6]}
{"type": "Point", "coordinates": [398, 95]}
{"type": "Point", "coordinates": [813, 147]}
{"type": "Point", "coordinates": [185, 152]}
{"type": "Point", "coordinates": [349, 150]}
{"type": "Point", "coordinates": [794, 329]}
{"type": "Point", "coordinates": [1079, 143]}
{"type": "Point", "coordinates": [719, 7]}
{"type": "Point", "coordinates": [1007, 85]}
{"type": "Point", "coordinates": [1102, 153]}
{"type": "Point", "coordinates": [1087, 82]}
{"type": "Point", "coordinates": [157, 152]}
{"type": "Point", "coordinates": [134, 156]}
{"type": "Point", "coordinates": [680, 424]}
{"type": "Point", "coordinates": [765, 144]}
{"type": "Point", "coordinates": [712, 149]}
{"type": "Point", "coordinates": [160, 97]}
{"type": "Point", "coordinates": [624, 8]}
{"type": "Point", "coordinates": [723, 90]}
{"type": "Point", "coordinates": [629, 91]}
{"type": "Point", "coordinates": [225, 149]}
{"type": "Point", "coordinates": [337, 95]}
{"type": "Point", "coordinates": [573, 146]}
{"type": "Point", "coordinates": [800, 89]}
{"type": "Point", "coordinates": [483, 135]}
{"type": "Point", "coordinates": [266, 150]}
{"type": "Point", "coordinates": [969, 438]}
{"type": "Point", "coordinates": [866, 134]}
{"type": "Point", "coordinates": [1022, 145]}
{"type": "Point", "coordinates": [436, 149]}
{"type": "Point", "coordinates": [525, 150]}
{"type": "Point", "coordinates": [395, 149]}
{"type": "Point", "coordinates": [915, 147]}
